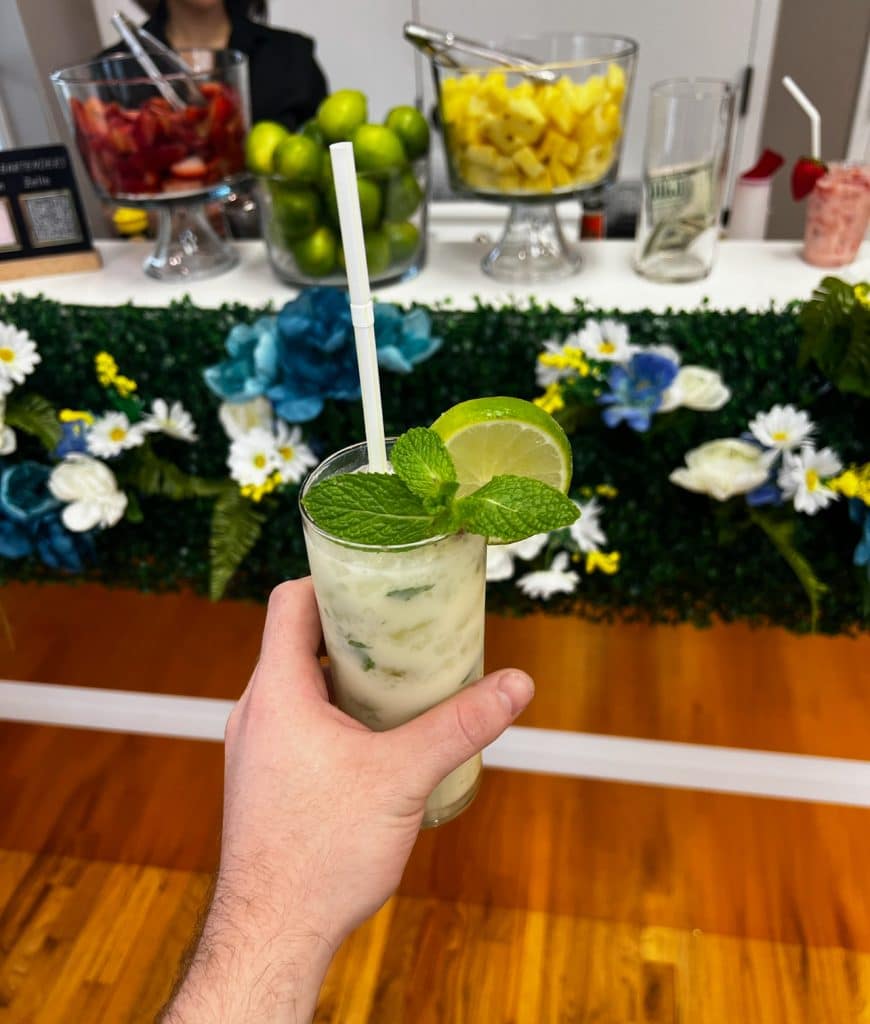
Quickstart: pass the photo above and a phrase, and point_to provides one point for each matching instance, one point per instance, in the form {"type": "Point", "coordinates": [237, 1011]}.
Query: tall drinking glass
{"type": "Point", "coordinates": [685, 167]}
{"type": "Point", "coordinates": [403, 626]}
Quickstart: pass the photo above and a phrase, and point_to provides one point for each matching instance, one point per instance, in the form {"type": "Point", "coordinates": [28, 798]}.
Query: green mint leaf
{"type": "Point", "coordinates": [406, 593]}
{"type": "Point", "coordinates": [511, 508]}
{"type": "Point", "coordinates": [370, 508]}
{"type": "Point", "coordinates": [424, 464]}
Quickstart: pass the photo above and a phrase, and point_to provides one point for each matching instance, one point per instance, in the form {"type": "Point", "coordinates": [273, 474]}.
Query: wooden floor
{"type": "Point", "coordinates": [550, 900]}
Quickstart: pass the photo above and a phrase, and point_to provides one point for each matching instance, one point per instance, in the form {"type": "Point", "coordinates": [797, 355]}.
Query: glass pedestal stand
{"type": "Point", "coordinates": [188, 247]}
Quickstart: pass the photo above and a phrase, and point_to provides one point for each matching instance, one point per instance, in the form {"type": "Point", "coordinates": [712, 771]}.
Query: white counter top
{"type": "Point", "coordinates": [746, 274]}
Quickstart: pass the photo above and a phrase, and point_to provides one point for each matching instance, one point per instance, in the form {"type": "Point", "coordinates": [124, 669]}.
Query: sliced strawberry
{"type": "Point", "coordinates": [804, 176]}
{"type": "Point", "coordinates": [190, 168]}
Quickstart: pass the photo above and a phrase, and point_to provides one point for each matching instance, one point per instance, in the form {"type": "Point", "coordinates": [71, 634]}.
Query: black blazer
{"type": "Point", "coordinates": [287, 84]}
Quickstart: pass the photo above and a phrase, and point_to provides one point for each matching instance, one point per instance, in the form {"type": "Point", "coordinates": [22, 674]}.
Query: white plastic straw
{"type": "Point", "coordinates": [811, 112]}
{"type": "Point", "coordinates": [361, 308]}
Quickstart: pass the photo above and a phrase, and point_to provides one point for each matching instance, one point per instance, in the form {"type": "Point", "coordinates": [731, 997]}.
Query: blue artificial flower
{"type": "Point", "coordinates": [252, 365]}
{"type": "Point", "coordinates": [30, 521]}
{"type": "Point", "coordinates": [768, 493]}
{"type": "Point", "coordinates": [73, 439]}
{"type": "Point", "coordinates": [307, 353]}
{"type": "Point", "coordinates": [636, 390]}
{"type": "Point", "coordinates": [860, 514]}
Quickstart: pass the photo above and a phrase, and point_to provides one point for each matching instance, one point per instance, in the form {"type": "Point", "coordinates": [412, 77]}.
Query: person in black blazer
{"type": "Point", "coordinates": [287, 83]}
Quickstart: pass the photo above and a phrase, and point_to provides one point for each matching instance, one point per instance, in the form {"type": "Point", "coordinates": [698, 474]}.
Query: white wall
{"type": "Point", "coordinates": [19, 93]}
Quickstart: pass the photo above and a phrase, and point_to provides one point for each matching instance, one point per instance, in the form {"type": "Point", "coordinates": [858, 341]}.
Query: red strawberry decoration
{"type": "Point", "coordinates": [804, 176]}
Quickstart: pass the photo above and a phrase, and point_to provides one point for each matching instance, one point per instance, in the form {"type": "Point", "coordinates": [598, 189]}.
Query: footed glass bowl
{"type": "Point", "coordinates": [529, 139]}
{"type": "Point", "coordinates": [172, 145]}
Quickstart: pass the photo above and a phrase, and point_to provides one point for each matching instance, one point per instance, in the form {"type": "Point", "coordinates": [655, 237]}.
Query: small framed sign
{"type": "Point", "coordinates": [43, 229]}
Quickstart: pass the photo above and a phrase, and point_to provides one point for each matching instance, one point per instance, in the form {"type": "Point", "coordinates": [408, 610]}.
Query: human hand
{"type": "Point", "coordinates": [320, 815]}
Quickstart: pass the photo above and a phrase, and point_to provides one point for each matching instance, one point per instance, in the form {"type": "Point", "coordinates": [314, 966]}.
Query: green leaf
{"type": "Point", "coordinates": [134, 509]}
{"type": "Point", "coordinates": [371, 508]}
{"type": "Point", "coordinates": [511, 508]}
{"type": "Point", "coordinates": [423, 463]}
{"type": "Point", "coordinates": [34, 415]}
{"type": "Point", "coordinates": [150, 474]}
{"type": "Point", "coordinates": [236, 525]}
{"type": "Point", "coordinates": [406, 593]}
{"type": "Point", "coordinates": [781, 533]}
{"type": "Point", "coordinates": [837, 336]}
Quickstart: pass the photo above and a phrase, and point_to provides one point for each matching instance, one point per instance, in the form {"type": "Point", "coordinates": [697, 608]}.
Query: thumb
{"type": "Point", "coordinates": [442, 738]}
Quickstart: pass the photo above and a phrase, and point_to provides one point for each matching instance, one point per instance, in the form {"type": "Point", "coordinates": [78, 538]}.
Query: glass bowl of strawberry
{"type": "Point", "coordinates": [173, 143]}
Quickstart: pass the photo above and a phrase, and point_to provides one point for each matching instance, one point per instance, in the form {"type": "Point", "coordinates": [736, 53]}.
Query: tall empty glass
{"type": "Point", "coordinates": [688, 139]}
{"type": "Point", "coordinates": [403, 626]}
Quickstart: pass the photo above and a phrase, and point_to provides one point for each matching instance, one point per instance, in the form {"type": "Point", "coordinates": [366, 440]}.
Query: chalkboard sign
{"type": "Point", "coordinates": [43, 229]}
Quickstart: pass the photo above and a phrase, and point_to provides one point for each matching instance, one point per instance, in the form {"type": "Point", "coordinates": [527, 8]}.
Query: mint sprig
{"type": "Point", "coordinates": [419, 501]}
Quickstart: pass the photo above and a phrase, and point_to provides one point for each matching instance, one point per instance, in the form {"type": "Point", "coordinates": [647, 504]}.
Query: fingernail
{"type": "Point", "coordinates": [516, 689]}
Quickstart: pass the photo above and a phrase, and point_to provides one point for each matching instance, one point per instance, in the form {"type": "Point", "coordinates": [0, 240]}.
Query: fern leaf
{"type": "Point", "coordinates": [34, 415]}
{"type": "Point", "coordinates": [150, 474]}
{"type": "Point", "coordinates": [235, 527]}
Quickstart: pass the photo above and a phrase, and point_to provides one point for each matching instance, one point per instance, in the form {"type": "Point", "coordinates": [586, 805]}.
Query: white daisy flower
{"type": "Point", "coordinates": [8, 440]}
{"type": "Point", "coordinates": [18, 357]}
{"type": "Point", "coordinates": [173, 420]}
{"type": "Point", "coordinates": [500, 557]}
{"type": "Point", "coordinates": [558, 579]}
{"type": "Point", "coordinates": [90, 491]}
{"type": "Point", "coordinates": [801, 478]}
{"type": "Point", "coordinates": [237, 418]}
{"type": "Point", "coordinates": [606, 341]}
{"type": "Point", "coordinates": [783, 427]}
{"type": "Point", "coordinates": [545, 375]}
{"type": "Point", "coordinates": [586, 531]}
{"type": "Point", "coordinates": [294, 457]}
{"type": "Point", "coordinates": [113, 433]}
{"type": "Point", "coordinates": [253, 458]}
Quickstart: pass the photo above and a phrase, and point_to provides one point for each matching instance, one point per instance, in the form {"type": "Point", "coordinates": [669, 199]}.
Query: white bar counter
{"type": "Point", "coordinates": [748, 275]}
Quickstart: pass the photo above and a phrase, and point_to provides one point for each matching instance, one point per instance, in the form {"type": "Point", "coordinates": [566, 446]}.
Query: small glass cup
{"type": "Point", "coordinates": [838, 211]}
{"type": "Point", "coordinates": [403, 626]}
{"type": "Point", "coordinates": [685, 165]}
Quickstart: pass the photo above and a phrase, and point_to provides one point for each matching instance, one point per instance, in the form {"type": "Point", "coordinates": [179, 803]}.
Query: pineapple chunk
{"type": "Point", "coordinates": [477, 107]}
{"type": "Point", "coordinates": [502, 136]}
{"type": "Point", "coordinates": [509, 182]}
{"type": "Point", "coordinates": [528, 163]}
{"type": "Point", "coordinates": [495, 91]}
{"type": "Point", "coordinates": [504, 164]}
{"type": "Point", "coordinates": [615, 81]}
{"type": "Point", "coordinates": [560, 174]}
{"type": "Point", "coordinates": [562, 114]}
{"type": "Point", "coordinates": [569, 153]}
{"type": "Point", "coordinates": [480, 177]}
{"type": "Point", "coordinates": [525, 120]}
{"type": "Point", "coordinates": [483, 156]}
{"type": "Point", "coordinates": [550, 146]}
{"type": "Point", "coordinates": [588, 95]}
{"type": "Point", "coordinates": [606, 121]}
{"type": "Point", "coordinates": [524, 91]}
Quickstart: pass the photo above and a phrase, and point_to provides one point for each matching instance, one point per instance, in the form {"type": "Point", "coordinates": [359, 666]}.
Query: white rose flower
{"type": "Point", "coordinates": [724, 468]}
{"type": "Point", "coordinates": [90, 491]}
{"type": "Point", "coordinates": [240, 418]}
{"type": "Point", "coordinates": [695, 387]}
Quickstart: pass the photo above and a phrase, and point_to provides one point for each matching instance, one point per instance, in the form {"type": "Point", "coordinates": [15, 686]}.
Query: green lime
{"type": "Point", "coordinates": [377, 149]}
{"type": "Point", "coordinates": [295, 210]}
{"type": "Point", "coordinates": [340, 114]}
{"type": "Point", "coordinates": [490, 436]}
{"type": "Point", "coordinates": [316, 254]}
{"type": "Point", "coordinates": [298, 160]}
{"type": "Point", "coordinates": [311, 130]}
{"type": "Point", "coordinates": [403, 196]}
{"type": "Point", "coordinates": [411, 127]}
{"type": "Point", "coordinates": [404, 239]}
{"type": "Point", "coordinates": [262, 141]}
{"type": "Point", "coordinates": [371, 202]}
{"type": "Point", "coordinates": [377, 252]}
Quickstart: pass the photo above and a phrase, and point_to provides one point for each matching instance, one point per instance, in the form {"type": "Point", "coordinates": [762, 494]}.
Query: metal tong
{"type": "Point", "coordinates": [134, 36]}
{"type": "Point", "coordinates": [435, 43]}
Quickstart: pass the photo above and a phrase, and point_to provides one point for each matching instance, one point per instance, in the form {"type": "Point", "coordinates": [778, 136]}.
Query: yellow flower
{"type": "Point", "coordinates": [567, 359]}
{"type": "Point", "coordinates": [853, 482]}
{"type": "Point", "coordinates": [607, 562]}
{"type": "Point", "coordinates": [124, 385]}
{"type": "Point", "coordinates": [107, 369]}
{"type": "Point", "coordinates": [551, 401]}
{"type": "Point", "coordinates": [862, 294]}
{"type": "Point", "coordinates": [256, 492]}
{"type": "Point", "coordinates": [75, 416]}
{"type": "Point", "coordinates": [606, 491]}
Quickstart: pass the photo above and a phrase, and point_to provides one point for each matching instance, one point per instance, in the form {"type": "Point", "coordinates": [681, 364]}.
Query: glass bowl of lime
{"type": "Point", "coordinates": [298, 209]}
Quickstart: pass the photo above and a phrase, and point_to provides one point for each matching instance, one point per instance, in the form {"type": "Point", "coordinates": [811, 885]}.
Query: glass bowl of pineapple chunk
{"type": "Point", "coordinates": [531, 136]}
